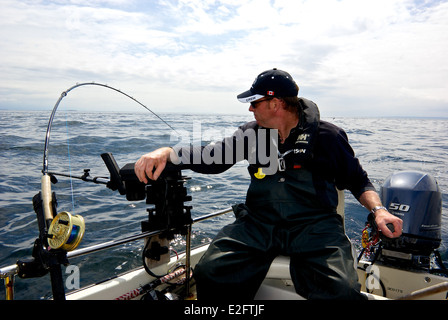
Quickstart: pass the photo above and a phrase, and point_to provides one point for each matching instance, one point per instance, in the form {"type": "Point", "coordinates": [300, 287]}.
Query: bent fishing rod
{"type": "Point", "coordinates": [47, 177]}
{"type": "Point", "coordinates": [64, 94]}
{"type": "Point", "coordinates": [62, 233]}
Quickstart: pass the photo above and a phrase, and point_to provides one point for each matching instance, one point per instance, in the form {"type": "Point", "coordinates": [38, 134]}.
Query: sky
{"type": "Point", "coordinates": [352, 57]}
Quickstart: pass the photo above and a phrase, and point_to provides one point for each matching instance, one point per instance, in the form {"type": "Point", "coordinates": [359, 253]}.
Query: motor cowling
{"type": "Point", "coordinates": [414, 197]}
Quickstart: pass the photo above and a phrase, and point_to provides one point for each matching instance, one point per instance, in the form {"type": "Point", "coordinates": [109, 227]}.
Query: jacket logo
{"type": "Point", "coordinates": [303, 138]}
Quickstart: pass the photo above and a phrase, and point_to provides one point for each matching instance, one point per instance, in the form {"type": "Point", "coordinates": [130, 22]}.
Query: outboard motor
{"type": "Point", "coordinates": [414, 197]}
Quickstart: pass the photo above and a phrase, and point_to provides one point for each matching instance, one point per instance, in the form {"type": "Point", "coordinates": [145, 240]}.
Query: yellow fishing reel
{"type": "Point", "coordinates": [66, 231]}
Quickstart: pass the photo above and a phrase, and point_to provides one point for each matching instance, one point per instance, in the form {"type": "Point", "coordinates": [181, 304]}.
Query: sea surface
{"type": "Point", "coordinates": [383, 146]}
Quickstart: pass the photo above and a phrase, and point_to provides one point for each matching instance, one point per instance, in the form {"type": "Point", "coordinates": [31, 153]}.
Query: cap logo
{"type": "Point", "coordinates": [270, 93]}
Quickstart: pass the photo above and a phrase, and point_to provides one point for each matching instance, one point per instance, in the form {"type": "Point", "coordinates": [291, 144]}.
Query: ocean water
{"type": "Point", "coordinates": [383, 145]}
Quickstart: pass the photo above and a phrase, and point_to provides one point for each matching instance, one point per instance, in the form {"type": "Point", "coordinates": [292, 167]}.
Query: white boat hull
{"type": "Point", "coordinates": [384, 283]}
{"type": "Point", "coordinates": [394, 283]}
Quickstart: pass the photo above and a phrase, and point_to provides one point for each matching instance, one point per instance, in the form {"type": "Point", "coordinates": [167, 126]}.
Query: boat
{"type": "Point", "coordinates": [406, 268]}
{"type": "Point", "coordinates": [387, 272]}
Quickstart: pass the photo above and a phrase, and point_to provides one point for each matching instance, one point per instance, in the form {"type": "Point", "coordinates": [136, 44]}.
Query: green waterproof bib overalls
{"type": "Point", "coordinates": [283, 215]}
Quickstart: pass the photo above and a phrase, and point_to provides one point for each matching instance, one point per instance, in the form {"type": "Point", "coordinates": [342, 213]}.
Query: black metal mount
{"type": "Point", "coordinates": [44, 259]}
{"type": "Point", "coordinates": [167, 194]}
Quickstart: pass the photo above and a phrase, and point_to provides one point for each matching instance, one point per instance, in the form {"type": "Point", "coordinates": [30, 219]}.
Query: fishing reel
{"type": "Point", "coordinates": [66, 231]}
{"type": "Point", "coordinates": [57, 236]}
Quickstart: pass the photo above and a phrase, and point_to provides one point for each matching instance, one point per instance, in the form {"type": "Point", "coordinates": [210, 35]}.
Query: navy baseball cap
{"type": "Point", "coordinates": [273, 83]}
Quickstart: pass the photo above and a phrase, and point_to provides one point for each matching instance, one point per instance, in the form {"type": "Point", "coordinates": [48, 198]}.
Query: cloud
{"type": "Point", "coordinates": [382, 57]}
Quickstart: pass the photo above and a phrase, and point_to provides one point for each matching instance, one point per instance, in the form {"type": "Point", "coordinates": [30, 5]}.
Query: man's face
{"type": "Point", "coordinates": [262, 111]}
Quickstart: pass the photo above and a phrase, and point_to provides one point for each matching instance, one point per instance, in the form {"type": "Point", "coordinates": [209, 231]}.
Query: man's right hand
{"type": "Point", "coordinates": [151, 165]}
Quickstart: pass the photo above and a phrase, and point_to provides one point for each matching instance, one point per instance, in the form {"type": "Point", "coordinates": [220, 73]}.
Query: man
{"type": "Point", "coordinates": [290, 210]}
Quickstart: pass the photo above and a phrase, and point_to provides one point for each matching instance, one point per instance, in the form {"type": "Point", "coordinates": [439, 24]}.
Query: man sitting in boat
{"type": "Point", "coordinates": [291, 202]}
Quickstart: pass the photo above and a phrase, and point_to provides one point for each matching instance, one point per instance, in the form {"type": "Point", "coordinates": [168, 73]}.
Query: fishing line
{"type": "Point", "coordinates": [69, 164]}
{"type": "Point", "coordinates": [63, 94]}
